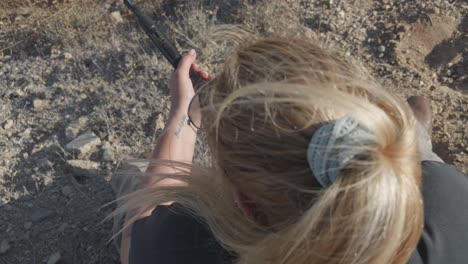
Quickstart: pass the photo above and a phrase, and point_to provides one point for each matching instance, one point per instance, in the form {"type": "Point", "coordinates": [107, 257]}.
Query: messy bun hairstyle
{"type": "Point", "coordinates": [259, 114]}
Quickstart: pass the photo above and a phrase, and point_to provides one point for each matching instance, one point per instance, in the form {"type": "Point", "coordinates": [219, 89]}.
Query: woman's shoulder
{"type": "Point", "coordinates": [445, 189]}
{"type": "Point", "coordinates": [172, 235]}
{"type": "Point", "coordinates": [445, 197]}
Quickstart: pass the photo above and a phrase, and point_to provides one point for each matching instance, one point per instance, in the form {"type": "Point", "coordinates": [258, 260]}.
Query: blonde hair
{"type": "Point", "coordinates": [259, 114]}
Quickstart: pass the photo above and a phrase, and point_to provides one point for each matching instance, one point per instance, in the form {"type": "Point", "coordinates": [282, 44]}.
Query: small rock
{"type": "Point", "coordinates": [63, 227]}
{"type": "Point", "coordinates": [44, 163]}
{"type": "Point", "coordinates": [107, 154]}
{"type": "Point", "coordinates": [54, 258]}
{"type": "Point", "coordinates": [27, 225]}
{"type": "Point", "coordinates": [27, 235]}
{"type": "Point", "coordinates": [160, 122]}
{"type": "Point", "coordinates": [40, 214]}
{"type": "Point", "coordinates": [38, 103]}
{"type": "Point", "coordinates": [67, 191]}
{"type": "Point", "coordinates": [67, 56]}
{"type": "Point", "coordinates": [47, 180]}
{"type": "Point", "coordinates": [54, 53]}
{"type": "Point", "coordinates": [26, 133]}
{"type": "Point", "coordinates": [437, 10]}
{"type": "Point", "coordinates": [18, 93]}
{"type": "Point", "coordinates": [2, 201]}
{"type": "Point", "coordinates": [381, 48]}
{"type": "Point", "coordinates": [135, 166]}
{"type": "Point", "coordinates": [4, 247]}
{"type": "Point", "coordinates": [84, 143]}
{"type": "Point", "coordinates": [72, 130]}
{"type": "Point", "coordinates": [8, 124]}
{"type": "Point", "coordinates": [116, 17]}
{"type": "Point", "coordinates": [84, 167]}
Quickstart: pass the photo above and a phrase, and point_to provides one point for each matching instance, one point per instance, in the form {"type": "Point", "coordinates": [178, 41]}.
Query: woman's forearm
{"type": "Point", "coordinates": [176, 144]}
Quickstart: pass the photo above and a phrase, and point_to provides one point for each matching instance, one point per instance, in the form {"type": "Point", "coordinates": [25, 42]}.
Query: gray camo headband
{"type": "Point", "coordinates": [333, 145]}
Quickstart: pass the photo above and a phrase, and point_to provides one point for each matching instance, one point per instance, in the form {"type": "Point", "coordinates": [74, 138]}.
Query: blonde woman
{"type": "Point", "coordinates": [313, 162]}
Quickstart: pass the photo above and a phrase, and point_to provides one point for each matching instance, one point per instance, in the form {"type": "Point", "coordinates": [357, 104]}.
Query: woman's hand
{"type": "Point", "coordinates": [180, 84]}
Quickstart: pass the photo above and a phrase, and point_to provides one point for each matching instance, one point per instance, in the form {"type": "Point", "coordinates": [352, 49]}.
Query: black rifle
{"type": "Point", "coordinates": [160, 40]}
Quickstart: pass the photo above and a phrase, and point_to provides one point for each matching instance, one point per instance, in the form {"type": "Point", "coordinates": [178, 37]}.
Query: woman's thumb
{"type": "Point", "coordinates": [186, 62]}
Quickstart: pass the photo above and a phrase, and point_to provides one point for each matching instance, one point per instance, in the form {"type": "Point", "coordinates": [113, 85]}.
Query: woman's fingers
{"type": "Point", "coordinates": [205, 76]}
{"type": "Point", "coordinates": [200, 73]}
{"type": "Point", "coordinates": [182, 67]}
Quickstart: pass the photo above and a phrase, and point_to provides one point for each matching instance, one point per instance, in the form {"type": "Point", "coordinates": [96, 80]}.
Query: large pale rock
{"type": "Point", "coordinates": [84, 167]}
{"type": "Point", "coordinates": [84, 144]}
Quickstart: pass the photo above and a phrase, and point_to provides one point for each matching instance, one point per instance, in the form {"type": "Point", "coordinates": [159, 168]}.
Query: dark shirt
{"type": "Point", "coordinates": [170, 236]}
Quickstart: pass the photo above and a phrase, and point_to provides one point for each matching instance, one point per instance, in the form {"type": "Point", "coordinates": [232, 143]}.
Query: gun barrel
{"type": "Point", "coordinates": [164, 45]}
{"type": "Point", "coordinates": [149, 26]}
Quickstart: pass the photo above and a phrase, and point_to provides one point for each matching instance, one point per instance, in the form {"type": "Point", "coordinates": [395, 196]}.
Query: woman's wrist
{"type": "Point", "coordinates": [177, 113]}
{"type": "Point", "coordinates": [179, 120]}
{"type": "Point", "coordinates": [179, 107]}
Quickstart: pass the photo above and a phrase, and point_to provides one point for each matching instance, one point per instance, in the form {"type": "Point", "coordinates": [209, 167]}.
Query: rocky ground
{"type": "Point", "coordinates": [82, 91]}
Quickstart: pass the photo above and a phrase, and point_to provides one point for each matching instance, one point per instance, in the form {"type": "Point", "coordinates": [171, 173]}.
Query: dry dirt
{"type": "Point", "coordinates": [67, 67]}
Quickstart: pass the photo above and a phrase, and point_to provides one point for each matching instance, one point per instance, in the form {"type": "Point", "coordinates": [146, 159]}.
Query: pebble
{"type": "Point", "coordinates": [8, 124]}
{"type": "Point", "coordinates": [107, 154]}
{"type": "Point", "coordinates": [342, 14]}
{"type": "Point", "coordinates": [67, 56]}
{"type": "Point", "coordinates": [160, 122]}
{"type": "Point", "coordinates": [63, 227]}
{"type": "Point", "coordinates": [19, 93]}
{"type": "Point", "coordinates": [54, 53]}
{"type": "Point", "coordinates": [67, 191]}
{"type": "Point", "coordinates": [84, 143]}
{"type": "Point", "coordinates": [27, 225]}
{"type": "Point", "coordinates": [44, 163]}
{"type": "Point", "coordinates": [4, 247]}
{"type": "Point", "coordinates": [116, 17]}
{"type": "Point", "coordinates": [47, 180]}
{"type": "Point", "coordinates": [40, 214]}
{"type": "Point", "coordinates": [38, 103]}
{"type": "Point", "coordinates": [54, 258]}
{"type": "Point", "coordinates": [72, 130]}
{"type": "Point", "coordinates": [135, 165]}
{"type": "Point", "coordinates": [84, 167]}
{"type": "Point", "coordinates": [26, 133]}
{"type": "Point", "coordinates": [2, 201]}
{"type": "Point", "coordinates": [381, 48]}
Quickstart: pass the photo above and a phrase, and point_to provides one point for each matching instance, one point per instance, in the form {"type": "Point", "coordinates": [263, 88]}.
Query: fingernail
{"type": "Point", "coordinates": [191, 52]}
